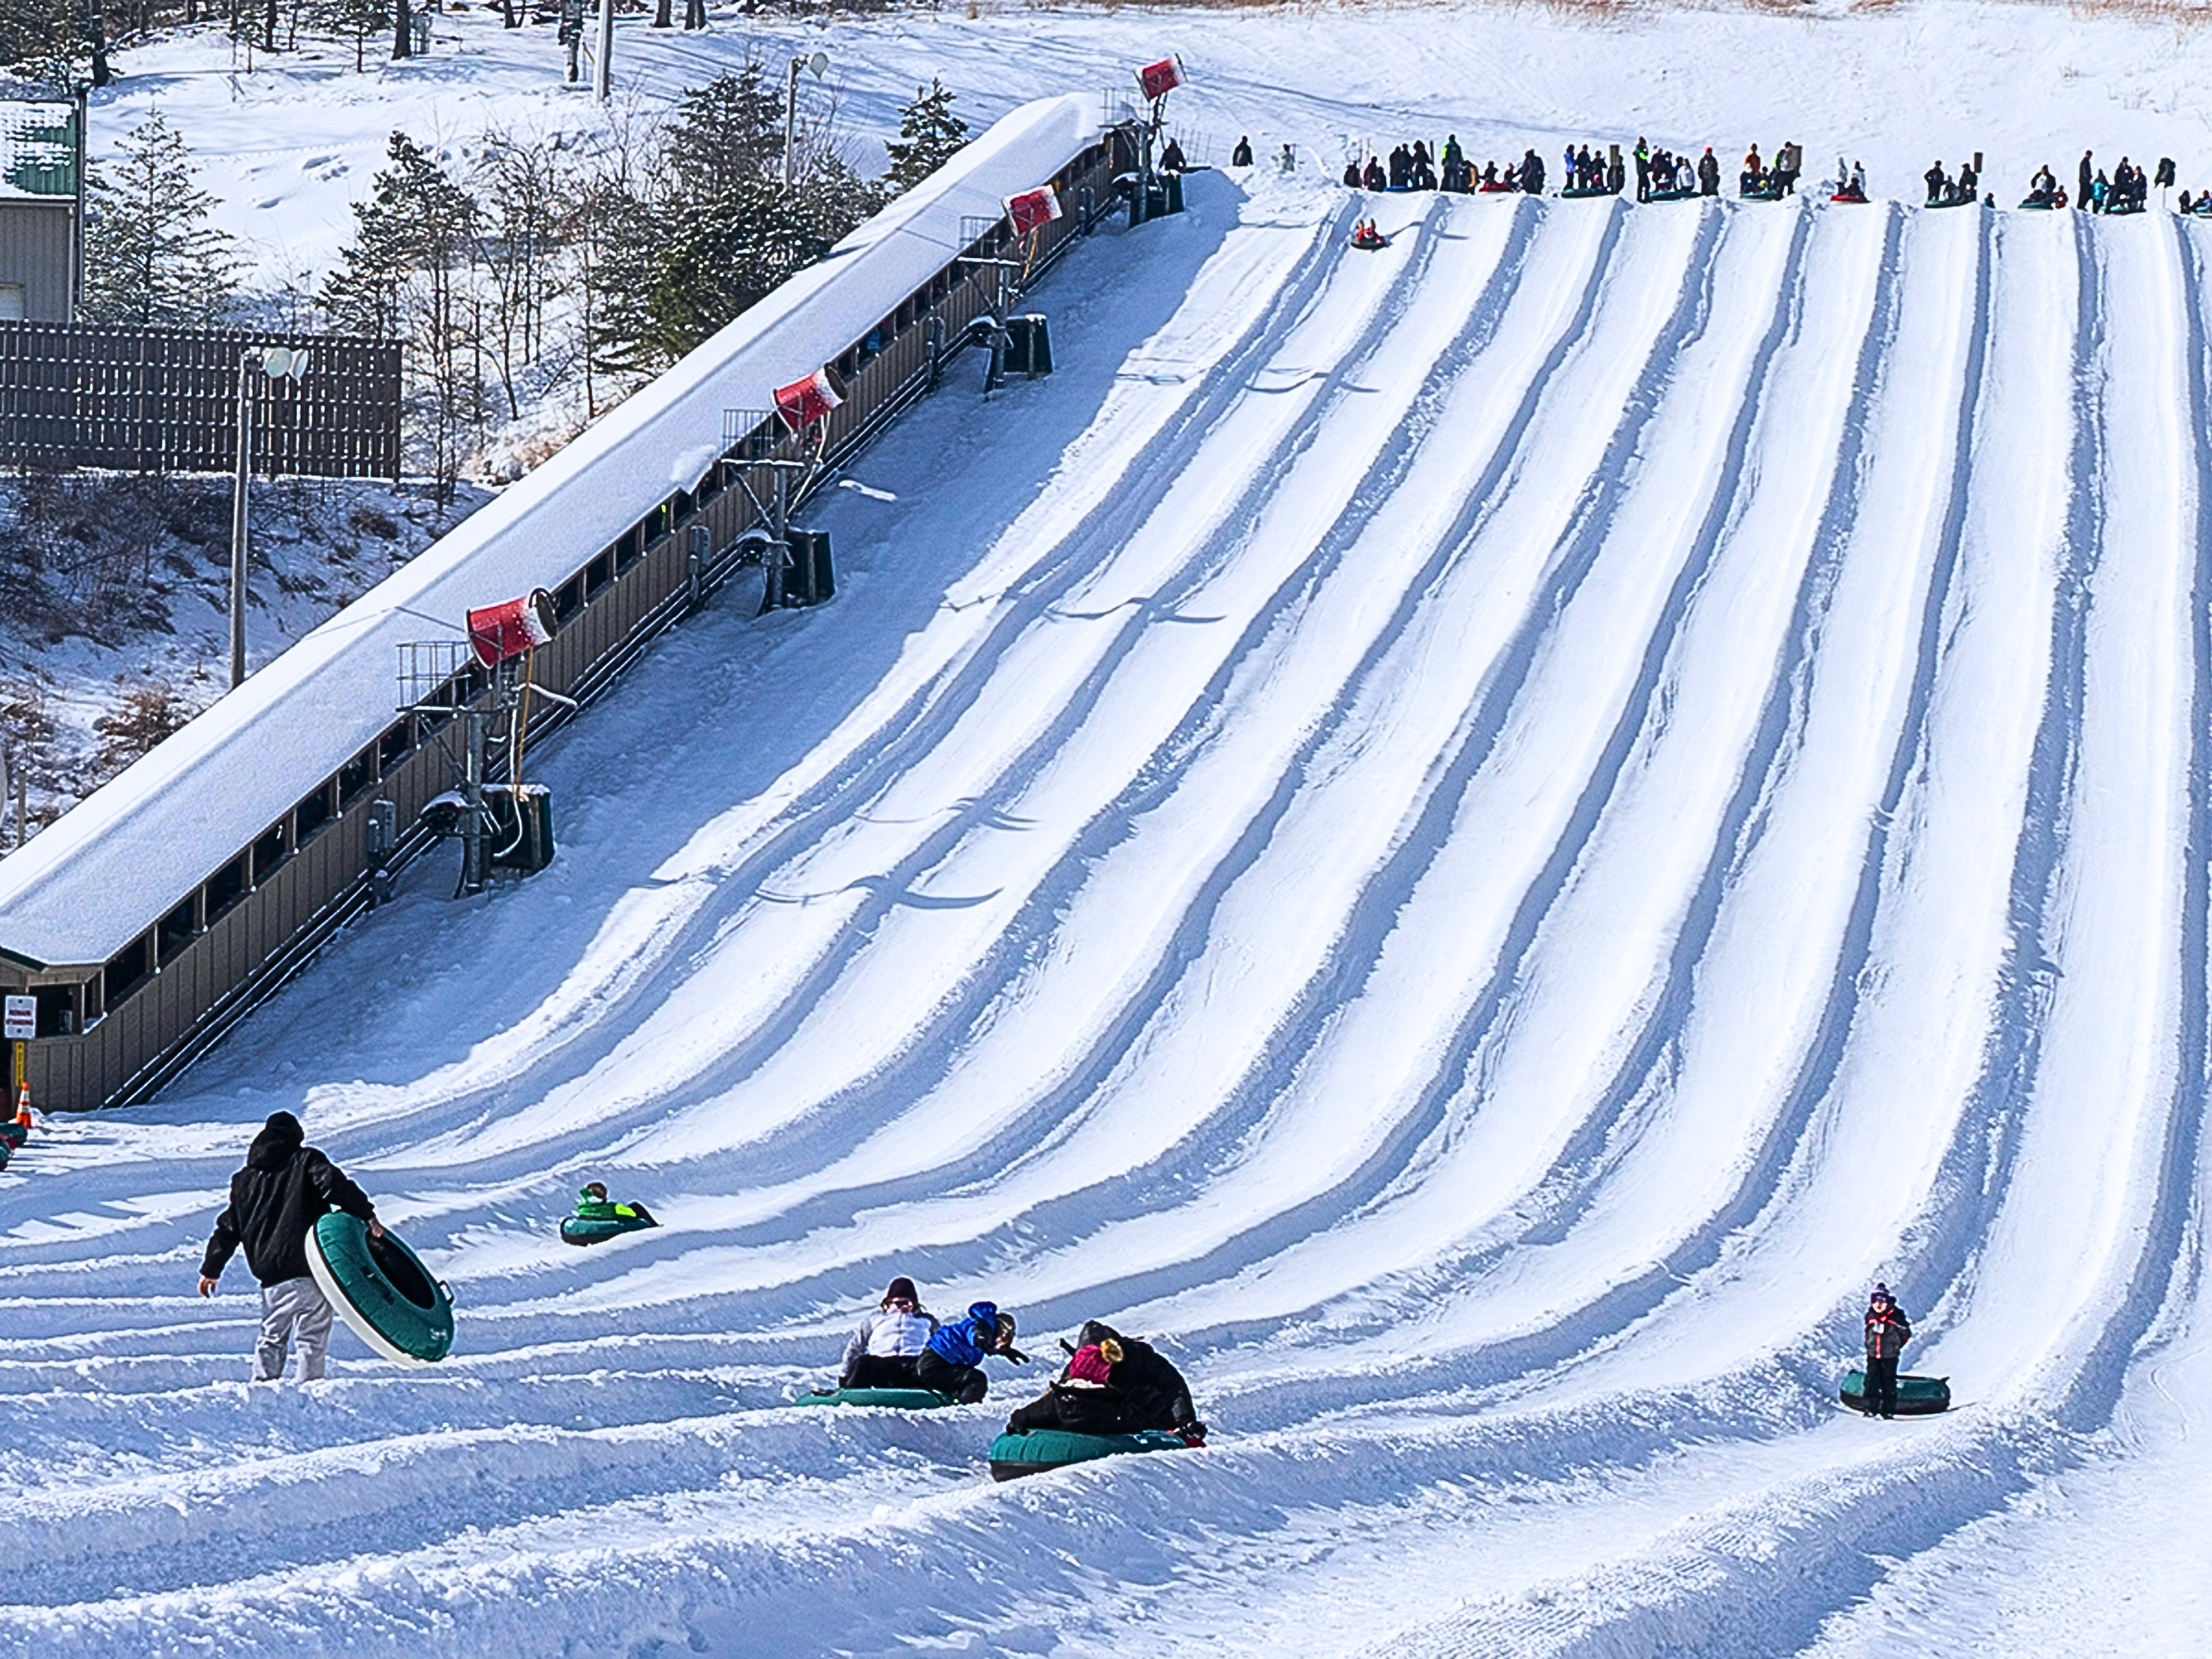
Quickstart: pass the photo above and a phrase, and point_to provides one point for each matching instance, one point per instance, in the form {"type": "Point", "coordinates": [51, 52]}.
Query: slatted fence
{"type": "Point", "coordinates": [166, 400]}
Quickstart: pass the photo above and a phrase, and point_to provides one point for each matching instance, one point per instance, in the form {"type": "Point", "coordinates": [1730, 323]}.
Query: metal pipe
{"type": "Point", "coordinates": [472, 773]}
{"type": "Point", "coordinates": [790, 119]}
{"type": "Point", "coordinates": [237, 521]}
{"type": "Point", "coordinates": [603, 71]}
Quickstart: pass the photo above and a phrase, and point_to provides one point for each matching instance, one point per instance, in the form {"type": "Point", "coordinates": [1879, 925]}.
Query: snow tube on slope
{"type": "Point", "coordinates": [1764, 193]}
{"type": "Point", "coordinates": [1674, 195]}
{"type": "Point", "coordinates": [593, 1229]}
{"type": "Point", "coordinates": [1013, 1456]}
{"type": "Point", "coordinates": [1917, 1396]}
{"type": "Point", "coordinates": [1582, 195]}
{"type": "Point", "coordinates": [1498, 189]}
{"type": "Point", "coordinates": [1849, 195]}
{"type": "Point", "coordinates": [1962, 201]}
{"type": "Point", "coordinates": [911, 1400]}
{"type": "Point", "coordinates": [382, 1289]}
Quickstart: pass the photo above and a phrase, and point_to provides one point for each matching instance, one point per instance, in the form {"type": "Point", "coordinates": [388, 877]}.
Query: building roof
{"type": "Point", "coordinates": [126, 855]}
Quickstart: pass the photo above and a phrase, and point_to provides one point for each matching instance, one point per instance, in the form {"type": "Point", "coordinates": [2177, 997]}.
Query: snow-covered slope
{"type": "Point", "coordinates": [1477, 837]}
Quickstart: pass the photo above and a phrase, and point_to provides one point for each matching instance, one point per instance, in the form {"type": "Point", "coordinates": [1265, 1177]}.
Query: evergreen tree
{"type": "Point", "coordinates": [719, 137]}
{"type": "Point", "coordinates": [410, 273]}
{"type": "Point", "coordinates": [719, 260]}
{"type": "Point", "coordinates": [930, 135]}
{"type": "Point", "coordinates": [150, 255]}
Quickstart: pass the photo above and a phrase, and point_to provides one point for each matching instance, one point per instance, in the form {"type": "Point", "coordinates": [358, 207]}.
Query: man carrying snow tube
{"type": "Point", "coordinates": [285, 1188]}
{"type": "Point", "coordinates": [885, 1351]}
{"type": "Point", "coordinates": [951, 1361]}
{"type": "Point", "coordinates": [1887, 1331]}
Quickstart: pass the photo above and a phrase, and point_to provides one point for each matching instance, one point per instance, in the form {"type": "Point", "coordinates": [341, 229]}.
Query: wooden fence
{"type": "Point", "coordinates": [166, 400]}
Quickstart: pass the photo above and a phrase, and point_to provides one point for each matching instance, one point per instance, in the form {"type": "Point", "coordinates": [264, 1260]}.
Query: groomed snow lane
{"type": "Point", "coordinates": [1475, 836]}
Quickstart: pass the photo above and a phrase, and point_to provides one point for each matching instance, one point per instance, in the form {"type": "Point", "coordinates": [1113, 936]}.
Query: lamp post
{"type": "Point", "coordinates": [276, 363]}
{"type": "Point", "coordinates": [819, 63]}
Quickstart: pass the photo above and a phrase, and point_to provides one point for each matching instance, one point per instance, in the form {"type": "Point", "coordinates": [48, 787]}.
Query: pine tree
{"type": "Point", "coordinates": [930, 135]}
{"type": "Point", "coordinates": [719, 137]}
{"type": "Point", "coordinates": [151, 255]}
{"type": "Point", "coordinates": [411, 272]}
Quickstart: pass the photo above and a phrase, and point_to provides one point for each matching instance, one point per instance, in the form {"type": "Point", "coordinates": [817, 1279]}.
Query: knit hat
{"type": "Point", "coordinates": [1087, 1364]}
{"type": "Point", "coordinates": [283, 1126]}
{"type": "Point", "coordinates": [1880, 1293]}
{"type": "Point", "coordinates": [901, 1290]}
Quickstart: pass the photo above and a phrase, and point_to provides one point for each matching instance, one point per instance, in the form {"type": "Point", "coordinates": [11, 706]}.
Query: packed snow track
{"type": "Point", "coordinates": [1476, 836]}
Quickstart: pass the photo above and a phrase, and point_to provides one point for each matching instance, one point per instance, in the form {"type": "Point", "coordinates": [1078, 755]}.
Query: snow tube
{"type": "Point", "coordinates": [592, 1230]}
{"type": "Point", "coordinates": [1498, 190]}
{"type": "Point", "coordinates": [1917, 1396]}
{"type": "Point", "coordinates": [382, 1289]}
{"type": "Point", "coordinates": [13, 1134]}
{"type": "Point", "coordinates": [907, 1400]}
{"type": "Point", "coordinates": [1849, 195]}
{"type": "Point", "coordinates": [1013, 1456]}
{"type": "Point", "coordinates": [1673, 195]}
{"type": "Point", "coordinates": [2121, 212]}
{"type": "Point", "coordinates": [1582, 195]}
{"type": "Point", "coordinates": [1963, 201]}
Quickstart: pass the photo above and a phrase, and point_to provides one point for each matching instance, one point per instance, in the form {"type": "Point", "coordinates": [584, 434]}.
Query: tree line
{"type": "Point", "coordinates": [523, 268]}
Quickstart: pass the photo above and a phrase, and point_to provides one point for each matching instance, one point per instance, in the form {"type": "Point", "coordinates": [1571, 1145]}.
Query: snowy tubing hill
{"type": "Point", "coordinates": [1475, 838]}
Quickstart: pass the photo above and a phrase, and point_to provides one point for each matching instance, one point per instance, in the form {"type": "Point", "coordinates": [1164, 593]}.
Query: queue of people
{"type": "Point", "coordinates": [1665, 175]}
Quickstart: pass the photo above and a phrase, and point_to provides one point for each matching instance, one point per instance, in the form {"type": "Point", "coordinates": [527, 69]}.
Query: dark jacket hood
{"type": "Point", "coordinates": [280, 1138]}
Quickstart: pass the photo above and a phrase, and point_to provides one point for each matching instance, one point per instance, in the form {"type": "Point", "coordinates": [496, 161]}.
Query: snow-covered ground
{"type": "Point", "coordinates": [1477, 837]}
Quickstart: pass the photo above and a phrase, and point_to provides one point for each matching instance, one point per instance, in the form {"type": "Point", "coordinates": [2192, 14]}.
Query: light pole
{"type": "Point", "coordinates": [603, 64]}
{"type": "Point", "coordinates": [276, 363]}
{"type": "Point", "coordinates": [819, 63]}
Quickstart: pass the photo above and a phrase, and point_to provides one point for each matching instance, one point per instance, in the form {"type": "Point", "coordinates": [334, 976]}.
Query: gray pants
{"type": "Point", "coordinates": [287, 1305]}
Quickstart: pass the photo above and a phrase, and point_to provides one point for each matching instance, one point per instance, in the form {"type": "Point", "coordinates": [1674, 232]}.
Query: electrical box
{"type": "Point", "coordinates": [1028, 346]}
{"type": "Point", "coordinates": [812, 577]}
{"type": "Point", "coordinates": [518, 830]}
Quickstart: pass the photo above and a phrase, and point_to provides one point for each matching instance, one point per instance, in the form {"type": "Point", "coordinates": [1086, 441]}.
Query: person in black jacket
{"type": "Point", "coordinates": [285, 1188]}
{"type": "Point", "coordinates": [1887, 1331]}
{"type": "Point", "coordinates": [1153, 1395]}
{"type": "Point", "coordinates": [2088, 177]}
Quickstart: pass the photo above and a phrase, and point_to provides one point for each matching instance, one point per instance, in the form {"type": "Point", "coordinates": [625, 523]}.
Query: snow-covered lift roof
{"type": "Point", "coordinates": [100, 876]}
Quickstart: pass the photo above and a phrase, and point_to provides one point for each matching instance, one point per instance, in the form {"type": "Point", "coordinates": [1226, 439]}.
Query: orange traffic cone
{"type": "Point", "coordinates": [22, 1104]}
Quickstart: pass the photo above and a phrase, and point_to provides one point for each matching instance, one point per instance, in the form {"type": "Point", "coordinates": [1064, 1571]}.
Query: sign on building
{"type": "Point", "coordinates": [22, 1020]}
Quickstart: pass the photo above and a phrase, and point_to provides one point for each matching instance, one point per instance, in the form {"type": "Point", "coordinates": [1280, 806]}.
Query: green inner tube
{"type": "Point", "coordinates": [1917, 1396]}
{"type": "Point", "coordinates": [911, 1400]}
{"type": "Point", "coordinates": [1013, 1456]}
{"type": "Point", "coordinates": [593, 1229]}
{"type": "Point", "coordinates": [12, 1133]}
{"type": "Point", "coordinates": [382, 1289]}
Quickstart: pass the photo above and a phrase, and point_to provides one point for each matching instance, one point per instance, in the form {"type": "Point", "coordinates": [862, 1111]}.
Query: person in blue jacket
{"type": "Point", "coordinates": [952, 1361]}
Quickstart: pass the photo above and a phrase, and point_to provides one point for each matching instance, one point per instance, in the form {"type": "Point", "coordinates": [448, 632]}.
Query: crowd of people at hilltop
{"type": "Point", "coordinates": [1666, 175]}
